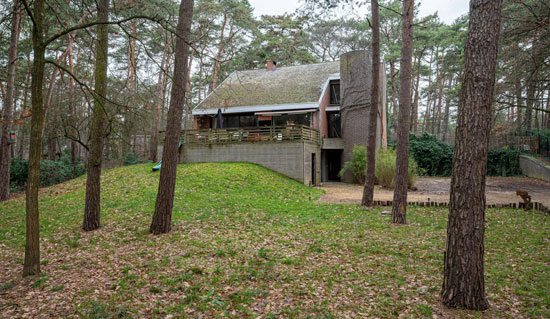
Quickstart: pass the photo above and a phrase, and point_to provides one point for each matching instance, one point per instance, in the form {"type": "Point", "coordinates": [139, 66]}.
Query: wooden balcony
{"type": "Point", "coordinates": [290, 133]}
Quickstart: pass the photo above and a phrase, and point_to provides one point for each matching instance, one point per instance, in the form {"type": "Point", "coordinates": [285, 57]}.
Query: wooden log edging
{"type": "Point", "coordinates": [537, 206]}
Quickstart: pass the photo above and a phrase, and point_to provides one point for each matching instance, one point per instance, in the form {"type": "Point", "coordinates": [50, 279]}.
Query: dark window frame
{"type": "Point", "coordinates": [334, 91]}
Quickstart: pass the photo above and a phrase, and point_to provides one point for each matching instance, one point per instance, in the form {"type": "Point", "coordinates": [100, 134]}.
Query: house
{"type": "Point", "coordinates": [301, 121]}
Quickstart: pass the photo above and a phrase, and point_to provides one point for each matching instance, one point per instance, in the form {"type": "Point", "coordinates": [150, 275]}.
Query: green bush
{"type": "Point", "coordinates": [131, 158]}
{"type": "Point", "coordinates": [432, 156]}
{"type": "Point", "coordinates": [358, 164]}
{"type": "Point", "coordinates": [384, 170]}
{"type": "Point", "coordinates": [501, 162]}
{"type": "Point", "coordinates": [435, 157]}
{"type": "Point", "coordinates": [51, 172]}
{"type": "Point", "coordinates": [18, 171]}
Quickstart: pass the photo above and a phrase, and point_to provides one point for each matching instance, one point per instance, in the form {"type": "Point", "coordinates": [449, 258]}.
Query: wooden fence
{"type": "Point", "coordinates": [536, 205]}
{"type": "Point", "coordinates": [294, 133]}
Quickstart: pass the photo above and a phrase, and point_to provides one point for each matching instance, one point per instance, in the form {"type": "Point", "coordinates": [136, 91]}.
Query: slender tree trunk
{"type": "Point", "coordinates": [547, 125]}
{"type": "Point", "coordinates": [446, 116]}
{"type": "Point", "coordinates": [427, 114]}
{"type": "Point", "coordinates": [72, 102]}
{"type": "Point", "coordinates": [93, 183]}
{"type": "Point", "coordinates": [155, 110]}
{"type": "Point", "coordinates": [414, 114]}
{"type": "Point", "coordinates": [6, 119]}
{"type": "Point", "coordinates": [439, 87]}
{"type": "Point", "coordinates": [368, 190]}
{"type": "Point", "coordinates": [439, 104]}
{"type": "Point", "coordinates": [23, 126]}
{"type": "Point", "coordinates": [399, 207]}
{"type": "Point", "coordinates": [440, 96]}
{"type": "Point", "coordinates": [162, 217]}
{"type": "Point", "coordinates": [214, 80]}
{"type": "Point", "coordinates": [463, 282]}
{"type": "Point", "coordinates": [31, 264]}
{"type": "Point", "coordinates": [519, 99]}
{"type": "Point", "coordinates": [393, 99]}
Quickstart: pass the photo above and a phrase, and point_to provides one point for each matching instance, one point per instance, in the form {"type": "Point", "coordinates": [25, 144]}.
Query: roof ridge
{"type": "Point", "coordinates": [289, 66]}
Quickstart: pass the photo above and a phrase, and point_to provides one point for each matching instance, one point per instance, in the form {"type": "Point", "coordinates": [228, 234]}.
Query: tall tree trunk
{"type": "Point", "coordinates": [162, 217]}
{"type": "Point", "coordinates": [440, 96]}
{"type": "Point", "coordinates": [93, 182]}
{"type": "Point", "coordinates": [155, 110]}
{"type": "Point", "coordinates": [446, 116]}
{"type": "Point", "coordinates": [72, 102]}
{"type": "Point", "coordinates": [463, 282]}
{"type": "Point", "coordinates": [414, 114]}
{"type": "Point", "coordinates": [393, 99]}
{"type": "Point", "coordinates": [214, 79]}
{"type": "Point", "coordinates": [532, 80]}
{"type": "Point", "coordinates": [439, 77]}
{"type": "Point", "coordinates": [519, 106]}
{"type": "Point", "coordinates": [31, 265]}
{"type": "Point", "coordinates": [427, 113]}
{"type": "Point", "coordinates": [547, 125]}
{"type": "Point", "coordinates": [439, 104]}
{"type": "Point", "coordinates": [23, 126]}
{"type": "Point", "coordinates": [6, 119]}
{"type": "Point", "coordinates": [399, 207]}
{"type": "Point", "coordinates": [368, 190]}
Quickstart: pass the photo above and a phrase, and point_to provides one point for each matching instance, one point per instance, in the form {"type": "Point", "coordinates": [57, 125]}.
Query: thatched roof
{"type": "Point", "coordinates": [284, 85]}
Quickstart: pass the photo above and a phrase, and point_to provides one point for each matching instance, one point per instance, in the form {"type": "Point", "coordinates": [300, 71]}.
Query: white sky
{"type": "Point", "coordinates": [448, 9]}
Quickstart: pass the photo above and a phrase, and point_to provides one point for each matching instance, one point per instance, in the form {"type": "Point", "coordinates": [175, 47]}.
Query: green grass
{"type": "Point", "coordinates": [247, 242]}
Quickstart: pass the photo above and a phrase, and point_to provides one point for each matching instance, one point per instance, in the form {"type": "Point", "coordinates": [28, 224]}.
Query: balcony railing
{"type": "Point", "coordinates": [293, 133]}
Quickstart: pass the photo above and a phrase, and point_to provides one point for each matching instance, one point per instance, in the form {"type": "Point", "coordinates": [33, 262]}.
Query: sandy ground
{"type": "Point", "coordinates": [499, 190]}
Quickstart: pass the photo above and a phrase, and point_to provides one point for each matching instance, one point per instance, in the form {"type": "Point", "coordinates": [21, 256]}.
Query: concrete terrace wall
{"type": "Point", "coordinates": [534, 168]}
{"type": "Point", "coordinates": [292, 159]}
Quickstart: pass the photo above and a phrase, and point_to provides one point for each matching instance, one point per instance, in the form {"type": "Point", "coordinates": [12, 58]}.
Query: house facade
{"type": "Point", "coordinates": [301, 121]}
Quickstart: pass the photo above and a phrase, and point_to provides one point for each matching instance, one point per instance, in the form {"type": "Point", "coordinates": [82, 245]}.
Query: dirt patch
{"type": "Point", "coordinates": [499, 190]}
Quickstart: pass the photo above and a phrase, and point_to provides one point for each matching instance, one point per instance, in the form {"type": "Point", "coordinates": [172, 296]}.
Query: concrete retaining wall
{"type": "Point", "coordinates": [533, 167]}
{"type": "Point", "coordinates": [292, 159]}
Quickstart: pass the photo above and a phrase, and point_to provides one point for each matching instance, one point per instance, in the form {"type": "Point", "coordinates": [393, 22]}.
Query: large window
{"type": "Point", "coordinates": [335, 92]}
{"type": "Point", "coordinates": [334, 124]}
{"type": "Point", "coordinates": [234, 121]}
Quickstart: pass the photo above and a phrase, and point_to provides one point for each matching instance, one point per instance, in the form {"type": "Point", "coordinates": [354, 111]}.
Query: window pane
{"type": "Point", "coordinates": [335, 93]}
{"type": "Point", "coordinates": [334, 125]}
{"type": "Point", "coordinates": [247, 121]}
{"type": "Point", "coordinates": [230, 121]}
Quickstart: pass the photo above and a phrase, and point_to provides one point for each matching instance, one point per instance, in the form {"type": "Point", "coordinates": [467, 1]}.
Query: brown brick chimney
{"type": "Point", "coordinates": [271, 65]}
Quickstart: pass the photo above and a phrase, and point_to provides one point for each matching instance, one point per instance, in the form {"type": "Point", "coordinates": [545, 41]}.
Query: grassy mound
{"type": "Point", "coordinates": [247, 243]}
{"type": "Point", "coordinates": [226, 190]}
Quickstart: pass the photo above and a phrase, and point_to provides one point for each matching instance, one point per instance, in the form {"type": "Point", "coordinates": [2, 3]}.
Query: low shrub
{"type": "Point", "coordinates": [501, 162]}
{"type": "Point", "coordinates": [132, 158]}
{"type": "Point", "coordinates": [384, 170]}
{"type": "Point", "coordinates": [358, 164]}
{"type": "Point", "coordinates": [18, 171]}
{"type": "Point", "coordinates": [432, 156]}
{"type": "Point", "coordinates": [51, 172]}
